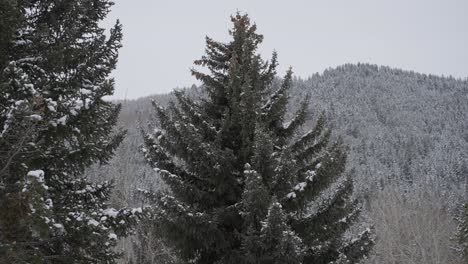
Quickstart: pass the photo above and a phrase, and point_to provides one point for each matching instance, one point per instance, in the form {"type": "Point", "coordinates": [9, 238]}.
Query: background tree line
{"type": "Point", "coordinates": [407, 143]}
{"type": "Point", "coordinates": [406, 133]}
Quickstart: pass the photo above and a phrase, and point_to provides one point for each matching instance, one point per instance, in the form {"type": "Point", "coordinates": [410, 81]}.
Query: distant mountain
{"type": "Point", "coordinates": [400, 126]}
{"type": "Point", "coordinates": [403, 129]}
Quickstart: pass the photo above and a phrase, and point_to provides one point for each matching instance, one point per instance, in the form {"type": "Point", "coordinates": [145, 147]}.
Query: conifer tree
{"type": "Point", "coordinates": [55, 66]}
{"type": "Point", "coordinates": [244, 187]}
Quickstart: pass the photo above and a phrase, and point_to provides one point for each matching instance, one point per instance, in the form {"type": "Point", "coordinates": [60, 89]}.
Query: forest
{"type": "Point", "coordinates": [358, 164]}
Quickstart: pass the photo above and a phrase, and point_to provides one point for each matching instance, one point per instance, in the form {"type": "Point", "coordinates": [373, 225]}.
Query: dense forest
{"type": "Point", "coordinates": [408, 149]}
{"type": "Point", "coordinates": [358, 164]}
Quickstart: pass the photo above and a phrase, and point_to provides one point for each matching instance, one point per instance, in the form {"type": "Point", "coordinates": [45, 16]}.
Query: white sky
{"type": "Point", "coordinates": [163, 38]}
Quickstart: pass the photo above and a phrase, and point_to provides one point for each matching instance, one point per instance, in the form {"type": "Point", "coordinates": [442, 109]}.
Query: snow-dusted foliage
{"type": "Point", "coordinates": [376, 167]}
{"type": "Point", "coordinates": [242, 183]}
{"type": "Point", "coordinates": [401, 126]}
{"type": "Point", "coordinates": [54, 70]}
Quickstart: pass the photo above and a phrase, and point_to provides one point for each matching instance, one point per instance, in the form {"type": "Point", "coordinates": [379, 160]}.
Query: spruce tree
{"type": "Point", "coordinates": [244, 186]}
{"type": "Point", "coordinates": [54, 122]}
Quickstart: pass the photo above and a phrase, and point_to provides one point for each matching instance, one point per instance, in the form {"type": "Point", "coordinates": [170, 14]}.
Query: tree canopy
{"type": "Point", "coordinates": [244, 184]}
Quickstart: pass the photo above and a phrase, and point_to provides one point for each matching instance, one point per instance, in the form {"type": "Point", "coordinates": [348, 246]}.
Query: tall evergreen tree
{"type": "Point", "coordinates": [55, 64]}
{"type": "Point", "coordinates": [244, 188]}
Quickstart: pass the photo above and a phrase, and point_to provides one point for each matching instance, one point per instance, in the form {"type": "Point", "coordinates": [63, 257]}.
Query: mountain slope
{"type": "Point", "coordinates": [400, 125]}
{"type": "Point", "coordinates": [408, 141]}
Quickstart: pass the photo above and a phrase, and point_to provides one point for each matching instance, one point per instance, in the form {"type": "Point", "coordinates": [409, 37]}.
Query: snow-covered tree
{"type": "Point", "coordinates": [54, 122]}
{"type": "Point", "coordinates": [243, 183]}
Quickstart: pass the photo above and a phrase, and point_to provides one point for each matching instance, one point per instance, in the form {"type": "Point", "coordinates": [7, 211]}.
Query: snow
{"type": "Point", "coordinates": [49, 204]}
{"type": "Point", "coordinates": [39, 174]}
{"type": "Point", "coordinates": [85, 91]}
{"type": "Point", "coordinates": [112, 236]}
{"type": "Point", "coordinates": [143, 191]}
{"type": "Point", "coordinates": [166, 173]}
{"type": "Point", "coordinates": [310, 175]}
{"type": "Point", "coordinates": [31, 207]}
{"type": "Point", "coordinates": [58, 226]}
{"type": "Point", "coordinates": [31, 88]}
{"type": "Point", "coordinates": [93, 222]}
{"type": "Point", "coordinates": [87, 103]}
{"type": "Point", "coordinates": [51, 105]}
{"type": "Point", "coordinates": [111, 212]}
{"type": "Point", "coordinates": [291, 195]}
{"type": "Point", "coordinates": [80, 191]}
{"type": "Point", "coordinates": [29, 59]}
{"type": "Point", "coordinates": [5, 128]}
{"type": "Point", "coordinates": [246, 171]}
{"type": "Point", "coordinates": [300, 186]}
{"type": "Point", "coordinates": [22, 42]}
{"type": "Point", "coordinates": [35, 117]}
{"type": "Point", "coordinates": [62, 120]}
{"type": "Point", "coordinates": [306, 135]}
{"type": "Point", "coordinates": [287, 124]}
{"type": "Point", "coordinates": [137, 210]}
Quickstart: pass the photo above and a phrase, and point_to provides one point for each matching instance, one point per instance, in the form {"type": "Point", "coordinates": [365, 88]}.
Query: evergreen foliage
{"type": "Point", "coordinates": [244, 187]}
{"type": "Point", "coordinates": [55, 64]}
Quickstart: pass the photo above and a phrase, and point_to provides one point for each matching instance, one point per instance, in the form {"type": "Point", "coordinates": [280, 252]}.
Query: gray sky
{"type": "Point", "coordinates": [163, 38]}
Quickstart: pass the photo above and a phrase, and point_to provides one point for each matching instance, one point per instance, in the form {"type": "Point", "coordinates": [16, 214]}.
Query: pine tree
{"type": "Point", "coordinates": [243, 186]}
{"type": "Point", "coordinates": [54, 122]}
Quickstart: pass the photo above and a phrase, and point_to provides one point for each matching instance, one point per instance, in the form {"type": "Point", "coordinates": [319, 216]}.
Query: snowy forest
{"type": "Point", "coordinates": [358, 164]}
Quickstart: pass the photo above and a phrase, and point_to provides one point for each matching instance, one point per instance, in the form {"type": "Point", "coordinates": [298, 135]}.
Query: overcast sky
{"type": "Point", "coordinates": [163, 38]}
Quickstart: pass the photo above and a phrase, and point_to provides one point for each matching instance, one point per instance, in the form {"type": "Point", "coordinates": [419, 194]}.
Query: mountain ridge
{"type": "Point", "coordinates": [342, 67]}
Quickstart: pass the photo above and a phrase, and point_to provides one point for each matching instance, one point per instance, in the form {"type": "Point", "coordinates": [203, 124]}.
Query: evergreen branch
{"type": "Point", "coordinates": [298, 119]}
{"type": "Point", "coordinates": [310, 136]}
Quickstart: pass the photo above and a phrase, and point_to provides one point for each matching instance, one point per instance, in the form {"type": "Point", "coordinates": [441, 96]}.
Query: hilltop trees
{"type": "Point", "coordinates": [244, 186]}
{"type": "Point", "coordinates": [55, 63]}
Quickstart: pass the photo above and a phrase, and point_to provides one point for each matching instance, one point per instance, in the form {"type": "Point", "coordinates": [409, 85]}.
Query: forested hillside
{"type": "Point", "coordinates": [408, 141]}
{"type": "Point", "coordinates": [359, 164]}
{"type": "Point", "coordinates": [401, 126]}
